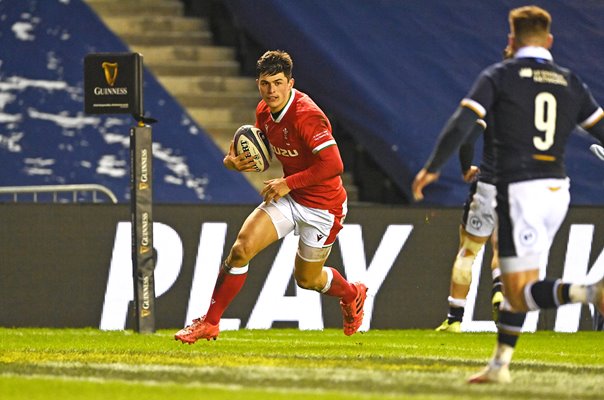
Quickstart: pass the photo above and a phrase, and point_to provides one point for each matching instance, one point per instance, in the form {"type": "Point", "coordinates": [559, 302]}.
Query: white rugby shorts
{"type": "Point", "coordinates": [316, 228]}
{"type": "Point", "coordinates": [530, 213]}
{"type": "Point", "coordinates": [479, 217]}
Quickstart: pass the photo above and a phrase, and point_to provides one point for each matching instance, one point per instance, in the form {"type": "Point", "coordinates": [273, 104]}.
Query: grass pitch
{"type": "Point", "coordinates": [291, 364]}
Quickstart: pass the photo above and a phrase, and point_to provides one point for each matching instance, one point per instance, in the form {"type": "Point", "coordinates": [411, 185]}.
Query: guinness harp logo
{"type": "Point", "coordinates": [110, 72]}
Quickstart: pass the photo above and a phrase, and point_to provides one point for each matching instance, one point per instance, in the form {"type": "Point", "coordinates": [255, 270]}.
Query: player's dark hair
{"type": "Point", "coordinates": [273, 62]}
{"type": "Point", "coordinates": [529, 22]}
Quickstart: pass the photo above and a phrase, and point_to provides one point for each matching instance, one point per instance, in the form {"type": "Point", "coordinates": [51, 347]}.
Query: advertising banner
{"type": "Point", "coordinates": [141, 210]}
{"type": "Point", "coordinates": [69, 265]}
{"type": "Point", "coordinates": [113, 83]}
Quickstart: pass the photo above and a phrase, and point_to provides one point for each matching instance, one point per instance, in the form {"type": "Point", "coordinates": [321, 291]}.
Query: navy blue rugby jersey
{"type": "Point", "coordinates": [487, 169]}
{"type": "Point", "coordinates": [532, 105]}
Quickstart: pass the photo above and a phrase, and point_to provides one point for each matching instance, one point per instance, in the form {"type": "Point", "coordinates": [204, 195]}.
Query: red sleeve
{"type": "Point", "coordinates": [327, 164]}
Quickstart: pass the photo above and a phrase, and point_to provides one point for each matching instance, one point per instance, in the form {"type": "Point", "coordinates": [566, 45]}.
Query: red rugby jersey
{"type": "Point", "coordinates": [301, 138]}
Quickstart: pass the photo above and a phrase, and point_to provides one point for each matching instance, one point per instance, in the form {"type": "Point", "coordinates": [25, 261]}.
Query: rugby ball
{"type": "Point", "coordinates": [249, 139]}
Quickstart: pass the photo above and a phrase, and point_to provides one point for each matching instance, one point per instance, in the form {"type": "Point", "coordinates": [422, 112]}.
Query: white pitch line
{"type": "Point", "coordinates": [258, 385]}
{"type": "Point", "coordinates": [259, 372]}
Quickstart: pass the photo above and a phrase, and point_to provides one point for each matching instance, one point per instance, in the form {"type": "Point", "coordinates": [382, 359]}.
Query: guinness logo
{"type": "Point", "coordinates": [113, 83]}
{"type": "Point", "coordinates": [110, 72]}
{"type": "Point", "coordinates": [144, 178]}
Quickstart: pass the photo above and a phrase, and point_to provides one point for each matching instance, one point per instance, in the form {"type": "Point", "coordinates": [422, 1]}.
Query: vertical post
{"type": "Point", "coordinates": [113, 84]}
{"type": "Point", "coordinates": [143, 253]}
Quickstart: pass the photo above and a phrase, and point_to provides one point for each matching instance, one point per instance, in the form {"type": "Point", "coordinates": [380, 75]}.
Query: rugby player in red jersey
{"type": "Point", "coordinates": [308, 200]}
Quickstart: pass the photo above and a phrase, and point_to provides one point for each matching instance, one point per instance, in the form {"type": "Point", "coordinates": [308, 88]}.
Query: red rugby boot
{"type": "Point", "coordinates": [353, 312]}
{"type": "Point", "coordinates": [199, 329]}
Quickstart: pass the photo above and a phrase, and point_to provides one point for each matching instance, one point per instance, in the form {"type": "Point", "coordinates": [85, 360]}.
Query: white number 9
{"type": "Point", "coordinates": [545, 120]}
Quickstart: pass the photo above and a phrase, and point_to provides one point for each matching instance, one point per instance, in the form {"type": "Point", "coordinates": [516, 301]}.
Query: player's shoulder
{"type": "Point", "coordinates": [572, 77]}
{"type": "Point", "coordinates": [306, 109]}
{"type": "Point", "coordinates": [500, 68]}
{"type": "Point", "coordinates": [304, 102]}
{"type": "Point", "coordinates": [493, 72]}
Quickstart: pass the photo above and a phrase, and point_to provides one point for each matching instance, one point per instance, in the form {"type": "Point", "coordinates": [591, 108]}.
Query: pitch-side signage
{"type": "Point", "coordinates": [113, 83]}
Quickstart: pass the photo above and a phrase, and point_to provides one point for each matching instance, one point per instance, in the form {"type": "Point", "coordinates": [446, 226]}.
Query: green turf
{"type": "Point", "coordinates": [291, 364]}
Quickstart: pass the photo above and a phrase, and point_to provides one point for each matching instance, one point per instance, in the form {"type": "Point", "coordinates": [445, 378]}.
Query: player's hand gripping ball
{"type": "Point", "coordinates": [249, 139]}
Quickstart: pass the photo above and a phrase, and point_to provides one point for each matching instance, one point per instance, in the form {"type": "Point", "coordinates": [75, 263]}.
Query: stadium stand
{"type": "Point", "coordinates": [387, 73]}
{"type": "Point", "coordinates": [180, 52]}
{"type": "Point", "coordinates": [45, 137]}
{"type": "Point", "coordinates": [391, 72]}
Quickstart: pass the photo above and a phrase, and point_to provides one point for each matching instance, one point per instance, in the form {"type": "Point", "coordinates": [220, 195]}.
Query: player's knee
{"type": "Point", "coordinates": [306, 281]}
{"type": "Point", "coordinates": [516, 301]}
{"type": "Point", "coordinates": [462, 276]}
{"type": "Point", "coordinates": [514, 295]}
{"type": "Point", "coordinates": [241, 253]}
{"type": "Point", "coordinates": [462, 268]}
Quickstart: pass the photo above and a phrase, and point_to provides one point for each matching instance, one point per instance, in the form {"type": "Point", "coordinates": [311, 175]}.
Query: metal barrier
{"type": "Point", "coordinates": [56, 190]}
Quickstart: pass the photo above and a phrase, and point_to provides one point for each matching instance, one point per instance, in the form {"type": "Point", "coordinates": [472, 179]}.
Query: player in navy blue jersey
{"type": "Point", "coordinates": [477, 226]}
{"type": "Point", "coordinates": [533, 104]}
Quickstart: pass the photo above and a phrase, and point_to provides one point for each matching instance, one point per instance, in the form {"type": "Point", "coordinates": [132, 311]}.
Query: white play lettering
{"type": "Point", "coordinates": [355, 262]}
{"type": "Point", "coordinates": [468, 323]}
{"type": "Point", "coordinates": [207, 265]}
{"type": "Point", "coordinates": [273, 305]}
{"type": "Point", "coordinates": [120, 287]}
{"type": "Point", "coordinates": [305, 306]}
{"type": "Point", "coordinates": [575, 270]}
{"type": "Point", "coordinates": [471, 325]}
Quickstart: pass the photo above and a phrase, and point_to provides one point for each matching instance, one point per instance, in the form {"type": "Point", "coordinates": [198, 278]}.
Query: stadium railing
{"type": "Point", "coordinates": [76, 193]}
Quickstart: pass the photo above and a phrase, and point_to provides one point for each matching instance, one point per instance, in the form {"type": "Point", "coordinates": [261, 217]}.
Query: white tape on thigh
{"type": "Point", "coordinates": [282, 224]}
{"type": "Point", "coordinates": [312, 254]}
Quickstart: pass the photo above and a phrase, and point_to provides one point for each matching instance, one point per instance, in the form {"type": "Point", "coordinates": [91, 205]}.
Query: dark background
{"type": "Point", "coordinates": [55, 261]}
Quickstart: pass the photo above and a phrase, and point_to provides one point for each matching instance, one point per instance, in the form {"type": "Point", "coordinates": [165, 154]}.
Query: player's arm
{"type": "Point", "coordinates": [595, 126]}
{"type": "Point", "coordinates": [466, 152]}
{"type": "Point", "coordinates": [455, 132]}
{"type": "Point", "coordinates": [327, 164]}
